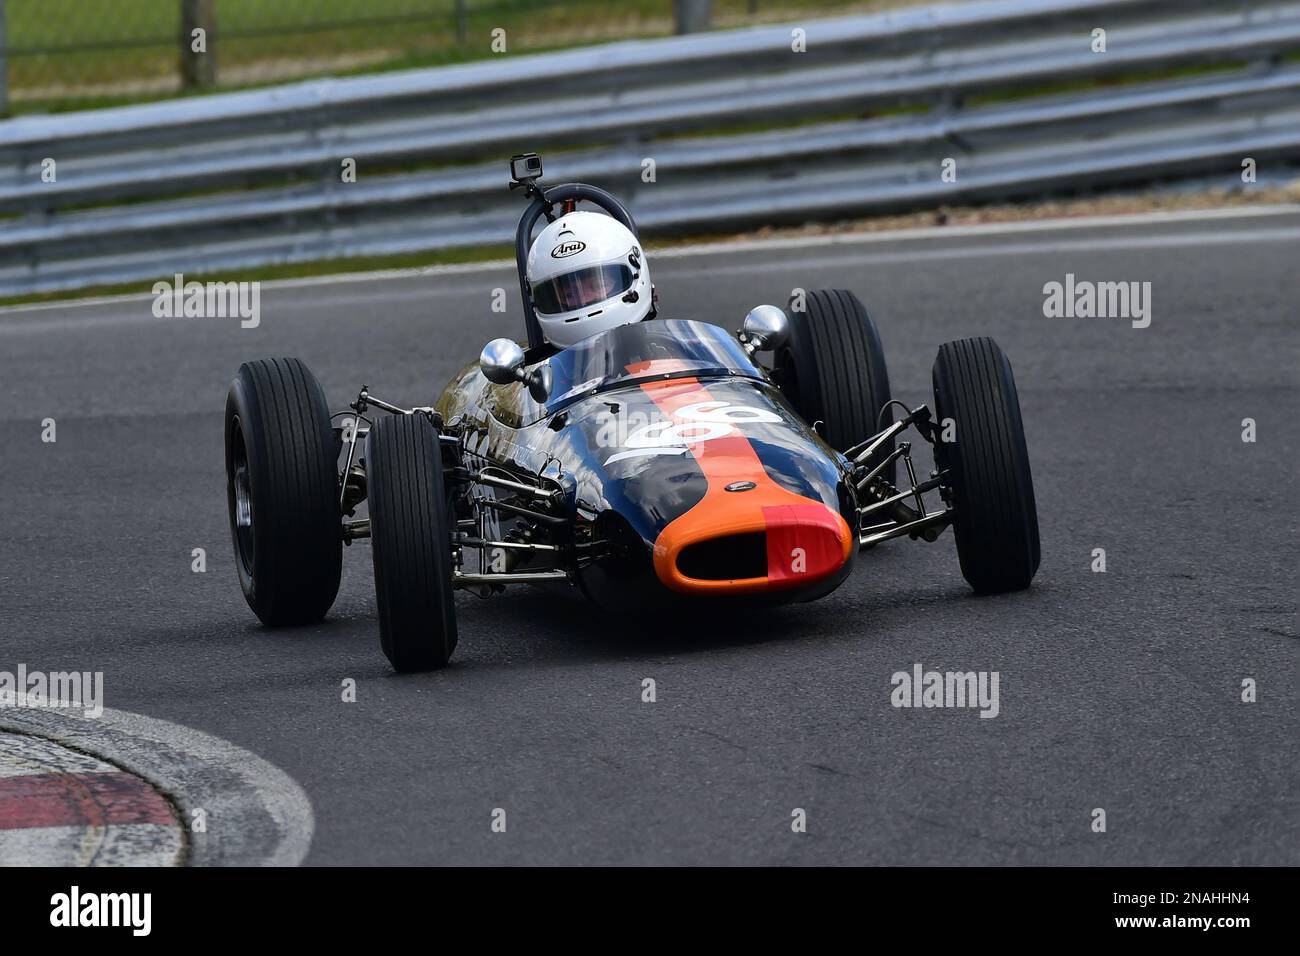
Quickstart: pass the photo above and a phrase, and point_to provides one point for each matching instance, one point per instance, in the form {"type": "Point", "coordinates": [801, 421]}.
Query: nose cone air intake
{"type": "Point", "coordinates": [775, 540]}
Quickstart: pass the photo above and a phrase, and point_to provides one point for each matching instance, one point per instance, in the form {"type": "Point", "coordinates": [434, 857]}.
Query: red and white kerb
{"type": "Point", "coordinates": [59, 807]}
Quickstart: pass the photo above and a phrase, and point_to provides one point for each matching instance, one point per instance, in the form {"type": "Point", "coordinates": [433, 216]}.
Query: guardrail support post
{"type": "Point", "coordinates": [462, 22]}
{"type": "Point", "coordinates": [693, 16]}
{"type": "Point", "coordinates": [198, 67]}
{"type": "Point", "coordinates": [4, 63]}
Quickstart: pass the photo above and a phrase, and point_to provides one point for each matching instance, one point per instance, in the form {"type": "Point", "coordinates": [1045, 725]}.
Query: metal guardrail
{"type": "Point", "coordinates": [862, 120]}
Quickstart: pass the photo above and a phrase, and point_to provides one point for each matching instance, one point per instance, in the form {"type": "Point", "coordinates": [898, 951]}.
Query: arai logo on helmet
{"type": "Point", "coordinates": [566, 249]}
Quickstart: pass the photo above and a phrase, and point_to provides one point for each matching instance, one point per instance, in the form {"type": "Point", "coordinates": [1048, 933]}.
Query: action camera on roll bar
{"type": "Point", "coordinates": [525, 167]}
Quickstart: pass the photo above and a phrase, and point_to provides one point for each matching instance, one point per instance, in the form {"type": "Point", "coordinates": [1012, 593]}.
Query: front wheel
{"type": "Point", "coordinates": [282, 491]}
{"type": "Point", "coordinates": [832, 370]}
{"type": "Point", "coordinates": [410, 540]}
{"type": "Point", "coordinates": [996, 520]}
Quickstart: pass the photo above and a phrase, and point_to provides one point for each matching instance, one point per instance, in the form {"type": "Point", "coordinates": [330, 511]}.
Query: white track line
{"type": "Point", "coordinates": [978, 229]}
{"type": "Point", "coordinates": [1016, 250]}
{"type": "Point", "coordinates": [752, 245]}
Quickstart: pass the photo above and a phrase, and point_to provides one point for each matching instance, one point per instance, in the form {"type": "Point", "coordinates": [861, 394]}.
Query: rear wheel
{"type": "Point", "coordinates": [410, 539]}
{"type": "Point", "coordinates": [832, 370]}
{"type": "Point", "coordinates": [996, 520]}
{"type": "Point", "coordinates": [282, 492]}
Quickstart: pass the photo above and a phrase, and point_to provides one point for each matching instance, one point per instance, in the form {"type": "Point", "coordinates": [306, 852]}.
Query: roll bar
{"type": "Point", "coordinates": [544, 200]}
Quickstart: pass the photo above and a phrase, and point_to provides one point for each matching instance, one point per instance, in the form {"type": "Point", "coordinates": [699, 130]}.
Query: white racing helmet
{"type": "Point", "coordinates": [587, 273]}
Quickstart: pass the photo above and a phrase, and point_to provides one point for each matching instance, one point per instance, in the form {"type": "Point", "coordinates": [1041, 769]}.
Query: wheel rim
{"type": "Point", "coordinates": [241, 499]}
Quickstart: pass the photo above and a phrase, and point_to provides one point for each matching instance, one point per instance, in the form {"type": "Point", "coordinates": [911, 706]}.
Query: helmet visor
{"type": "Point", "coordinates": [577, 290]}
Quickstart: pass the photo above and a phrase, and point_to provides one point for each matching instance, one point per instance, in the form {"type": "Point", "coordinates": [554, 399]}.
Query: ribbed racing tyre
{"type": "Point", "coordinates": [832, 370]}
{"type": "Point", "coordinates": [282, 492]}
{"type": "Point", "coordinates": [410, 540]}
{"type": "Point", "coordinates": [996, 521]}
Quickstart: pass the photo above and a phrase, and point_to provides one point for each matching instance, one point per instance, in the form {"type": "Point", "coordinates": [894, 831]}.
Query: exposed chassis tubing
{"type": "Point", "coordinates": [360, 528]}
{"type": "Point", "coordinates": [888, 500]}
{"type": "Point", "coordinates": [883, 499]}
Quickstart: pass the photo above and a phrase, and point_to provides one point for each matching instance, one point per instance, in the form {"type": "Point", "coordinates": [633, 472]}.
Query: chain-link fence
{"type": "Point", "coordinates": [62, 54]}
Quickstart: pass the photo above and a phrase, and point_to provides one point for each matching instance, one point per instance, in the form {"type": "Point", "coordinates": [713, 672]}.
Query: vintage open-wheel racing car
{"type": "Point", "coordinates": [654, 462]}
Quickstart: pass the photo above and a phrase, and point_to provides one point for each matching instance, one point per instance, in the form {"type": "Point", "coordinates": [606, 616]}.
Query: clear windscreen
{"type": "Point", "coordinates": [655, 349]}
{"type": "Point", "coordinates": [644, 351]}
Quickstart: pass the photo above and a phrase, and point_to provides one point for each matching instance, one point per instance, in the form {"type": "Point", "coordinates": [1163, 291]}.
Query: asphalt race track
{"type": "Point", "coordinates": [1119, 690]}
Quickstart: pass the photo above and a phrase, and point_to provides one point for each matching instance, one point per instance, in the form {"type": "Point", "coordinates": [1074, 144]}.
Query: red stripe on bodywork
{"type": "Point", "coordinates": [86, 799]}
{"type": "Point", "coordinates": [803, 542]}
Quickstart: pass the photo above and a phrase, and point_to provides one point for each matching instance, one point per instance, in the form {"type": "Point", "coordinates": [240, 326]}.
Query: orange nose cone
{"type": "Point", "coordinates": [747, 534]}
{"type": "Point", "coordinates": [775, 540]}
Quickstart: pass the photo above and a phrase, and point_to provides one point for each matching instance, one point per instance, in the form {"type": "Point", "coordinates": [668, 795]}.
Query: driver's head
{"type": "Point", "coordinates": [587, 273]}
